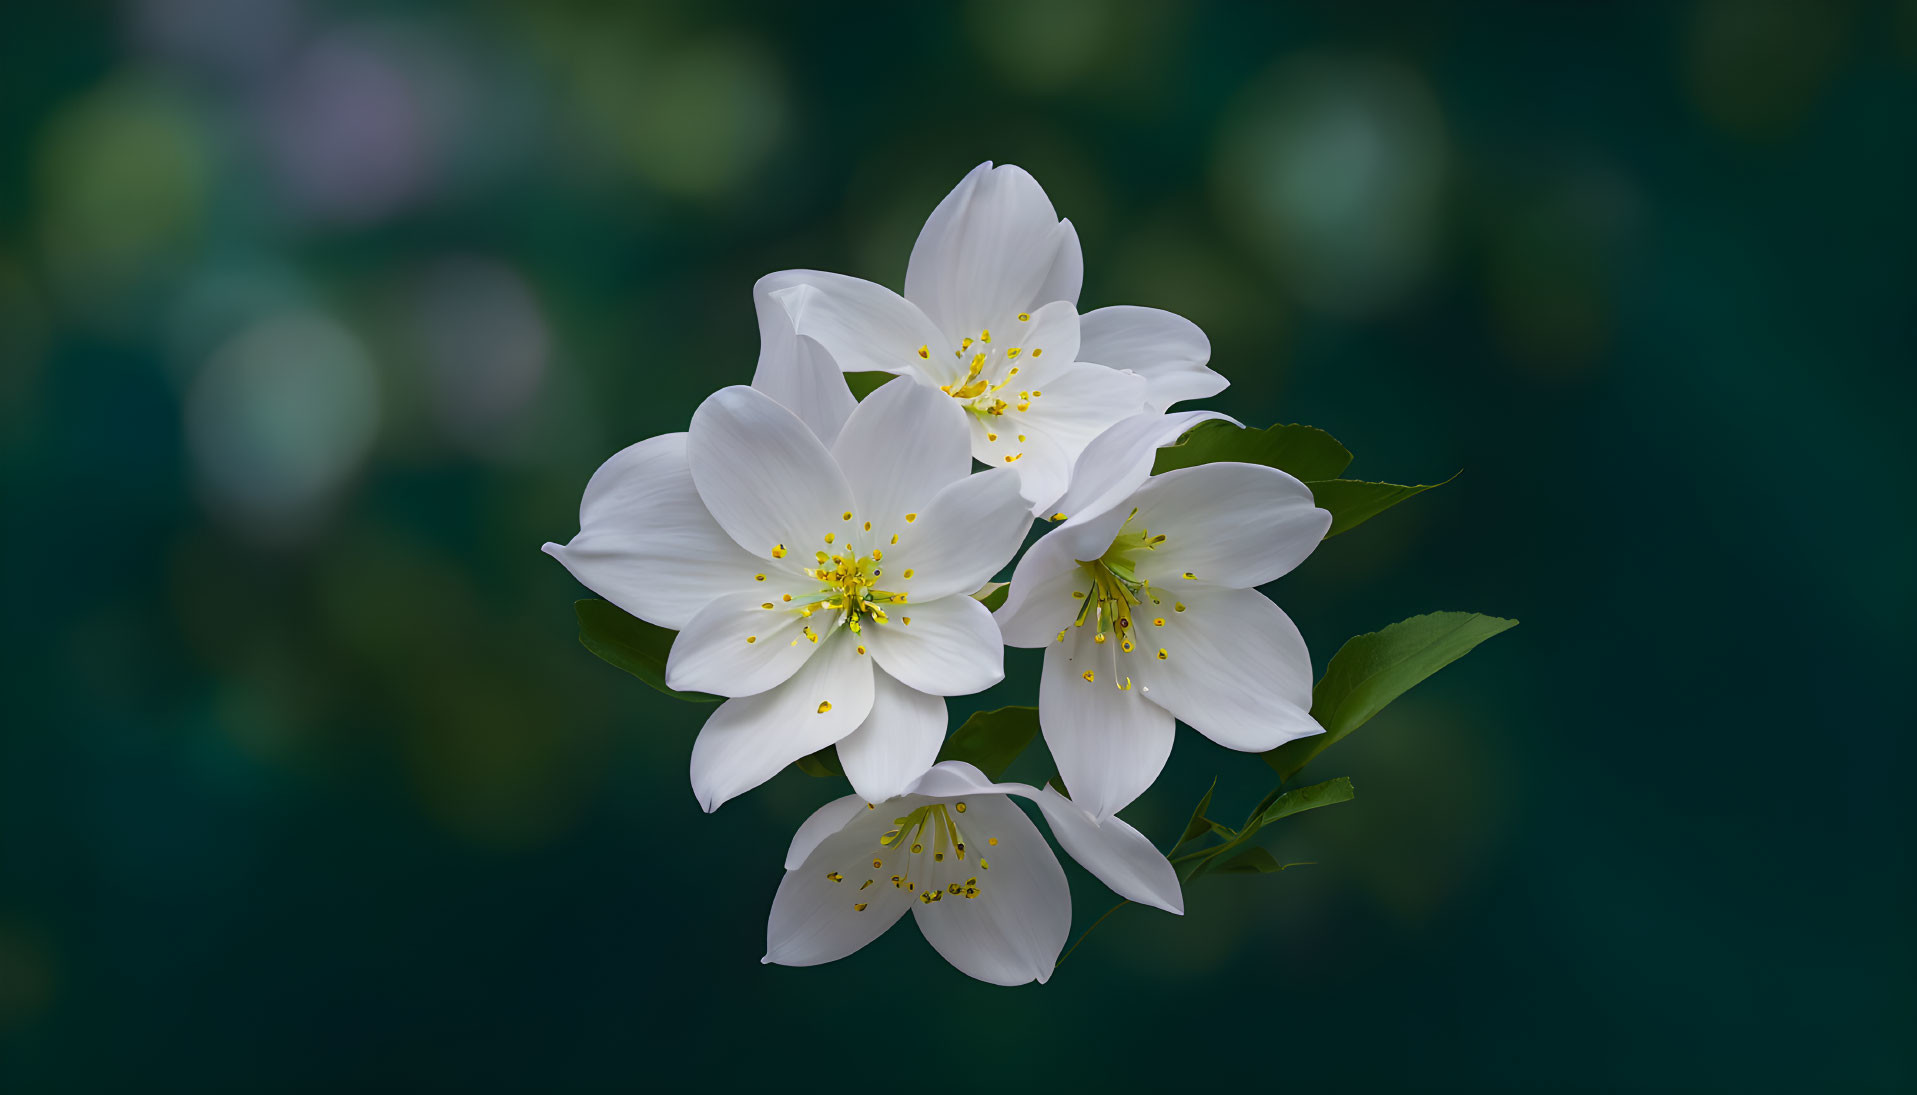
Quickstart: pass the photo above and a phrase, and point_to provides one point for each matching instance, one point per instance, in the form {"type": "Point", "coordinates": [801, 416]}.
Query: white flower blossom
{"type": "Point", "coordinates": [825, 590]}
{"type": "Point", "coordinates": [989, 318]}
{"type": "Point", "coordinates": [980, 880]}
{"type": "Point", "coordinates": [1144, 601]}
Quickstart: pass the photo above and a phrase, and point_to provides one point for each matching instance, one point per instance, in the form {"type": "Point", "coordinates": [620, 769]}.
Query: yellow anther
{"type": "Point", "coordinates": [1036, 393]}
{"type": "Point", "coordinates": [1013, 457]}
{"type": "Point", "coordinates": [991, 437]}
{"type": "Point", "coordinates": [895, 537]}
{"type": "Point", "coordinates": [1012, 354]}
{"type": "Point", "coordinates": [906, 619]}
{"type": "Point", "coordinates": [1089, 678]}
{"type": "Point", "coordinates": [1035, 353]}
{"type": "Point", "coordinates": [861, 650]}
{"type": "Point", "coordinates": [911, 517]}
{"type": "Point", "coordinates": [985, 336]}
{"type": "Point", "coordinates": [1178, 606]}
{"type": "Point", "coordinates": [1021, 437]}
{"type": "Point", "coordinates": [768, 604]}
{"type": "Point", "coordinates": [1099, 639]}
{"type": "Point", "coordinates": [1163, 653]}
{"type": "Point", "coordinates": [778, 551]}
{"type": "Point", "coordinates": [1024, 406]}
{"type": "Point", "coordinates": [1158, 621]}
{"type": "Point", "coordinates": [1126, 646]}
{"type": "Point", "coordinates": [836, 877]}
{"type": "Point", "coordinates": [828, 536]}
{"type": "Point", "coordinates": [868, 526]}
{"type": "Point", "coordinates": [878, 863]}
{"type": "Point", "coordinates": [1014, 371]}
{"type": "Point", "coordinates": [1061, 636]}
{"type": "Point", "coordinates": [1058, 517]}
{"type": "Point", "coordinates": [908, 572]}
{"type": "Point", "coordinates": [876, 557]}
{"type": "Point", "coordinates": [965, 343]}
{"type": "Point", "coordinates": [824, 706]}
{"type": "Point", "coordinates": [1078, 594]}
{"type": "Point", "coordinates": [960, 807]}
{"type": "Point", "coordinates": [925, 353]}
{"type": "Point", "coordinates": [814, 636]}
{"type": "Point", "coordinates": [785, 596]}
{"type": "Point", "coordinates": [1024, 317]}
{"type": "Point", "coordinates": [752, 638]}
{"type": "Point", "coordinates": [1189, 575]}
{"type": "Point", "coordinates": [860, 907]}
{"type": "Point", "coordinates": [758, 577]}
{"type": "Point", "coordinates": [993, 841]}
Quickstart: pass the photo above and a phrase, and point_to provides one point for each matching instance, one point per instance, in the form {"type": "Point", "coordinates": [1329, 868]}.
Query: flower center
{"type": "Point", "coordinates": [926, 854]}
{"type": "Point", "coordinates": [1112, 604]}
{"type": "Point", "coordinates": [989, 372]}
{"type": "Point", "coordinates": [849, 587]}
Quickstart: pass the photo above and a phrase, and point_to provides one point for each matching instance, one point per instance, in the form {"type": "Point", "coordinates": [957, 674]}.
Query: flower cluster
{"type": "Point", "coordinates": [826, 565]}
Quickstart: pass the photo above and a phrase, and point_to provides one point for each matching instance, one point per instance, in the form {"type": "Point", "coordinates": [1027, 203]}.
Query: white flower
{"type": "Point", "coordinates": [984, 886]}
{"type": "Point", "coordinates": [989, 318]}
{"type": "Point", "coordinates": [825, 590]}
{"type": "Point", "coordinates": [1144, 602]}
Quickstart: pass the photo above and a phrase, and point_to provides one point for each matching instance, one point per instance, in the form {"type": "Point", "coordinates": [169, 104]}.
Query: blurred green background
{"type": "Point", "coordinates": [316, 317]}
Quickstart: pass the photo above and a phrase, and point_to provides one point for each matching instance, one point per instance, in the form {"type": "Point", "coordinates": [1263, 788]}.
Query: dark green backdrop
{"type": "Point", "coordinates": [315, 318]}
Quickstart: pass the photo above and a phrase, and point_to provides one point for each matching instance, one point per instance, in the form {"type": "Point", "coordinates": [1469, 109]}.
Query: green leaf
{"type": "Point", "coordinates": [993, 594]}
{"type": "Point", "coordinates": [1371, 670]}
{"type": "Point", "coordinates": [1199, 824]}
{"type": "Point", "coordinates": [864, 384]}
{"type": "Point", "coordinates": [1329, 793]}
{"type": "Point", "coordinates": [992, 740]}
{"type": "Point", "coordinates": [1353, 502]}
{"type": "Point", "coordinates": [630, 643]}
{"type": "Point", "coordinates": [823, 764]}
{"type": "Point", "coordinates": [1306, 452]}
{"type": "Point", "coordinates": [1255, 861]}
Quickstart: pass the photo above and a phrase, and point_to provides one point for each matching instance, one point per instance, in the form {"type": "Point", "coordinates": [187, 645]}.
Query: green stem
{"type": "Point", "coordinates": [1088, 931]}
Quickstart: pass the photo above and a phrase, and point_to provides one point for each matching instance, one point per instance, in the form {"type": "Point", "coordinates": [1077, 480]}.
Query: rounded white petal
{"type": "Point", "coordinates": [1081, 401]}
{"type": "Point", "coordinates": [993, 247]}
{"type": "Point", "coordinates": [816, 917]}
{"type": "Point", "coordinates": [1235, 669]}
{"type": "Point", "coordinates": [864, 326]}
{"type": "Point", "coordinates": [646, 542]}
{"type": "Point", "coordinates": [902, 446]}
{"type": "Point", "coordinates": [1109, 742]}
{"type": "Point", "coordinates": [765, 476]}
{"type": "Point", "coordinates": [796, 371]}
{"type": "Point", "coordinates": [1012, 932]}
{"type": "Point", "coordinates": [965, 536]}
{"type": "Point", "coordinates": [1116, 853]}
{"type": "Point", "coordinates": [950, 648]}
{"type": "Point", "coordinates": [1236, 525]}
{"type": "Point", "coordinates": [1117, 461]}
{"type": "Point", "coordinates": [825, 821]}
{"type": "Point", "coordinates": [736, 646]}
{"type": "Point", "coordinates": [896, 743]}
{"type": "Point", "coordinates": [1165, 348]}
{"type": "Point", "coordinates": [747, 740]}
{"type": "Point", "coordinates": [1043, 467]}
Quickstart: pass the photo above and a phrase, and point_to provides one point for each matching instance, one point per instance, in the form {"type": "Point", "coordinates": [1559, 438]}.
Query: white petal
{"type": "Point", "coordinates": [1083, 400]}
{"type": "Point", "coordinates": [646, 542]}
{"type": "Point", "coordinates": [1040, 602]}
{"type": "Point", "coordinates": [896, 743]}
{"type": "Point", "coordinates": [1167, 349]}
{"type": "Point", "coordinates": [815, 918]}
{"type": "Point", "coordinates": [865, 327]}
{"type": "Point", "coordinates": [765, 476]}
{"type": "Point", "coordinates": [902, 446]}
{"type": "Point", "coordinates": [964, 537]}
{"type": "Point", "coordinates": [1109, 742]}
{"type": "Point", "coordinates": [951, 647]}
{"type": "Point", "coordinates": [737, 647]}
{"type": "Point", "coordinates": [1117, 461]}
{"type": "Point", "coordinates": [1236, 670]}
{"type": "Point", "coordinates": [797, 371]}
{"type": "Point", "coordinates": [825, 821]}
{"type": "Point", "coordinates": [1012, 931]}
{"type": "Point", "coordinates": [1237, 525]}
{"type": "Point", "coordinates": [748, 740]}
{"type": "Point", "coordinates": [993, 247]}
{"type": "Point", "coordinates": [1118, 854]}
{"type": "Point", "coordinates": [957, 778]}
{"type": "Point", "coordinates": [1043, 467]}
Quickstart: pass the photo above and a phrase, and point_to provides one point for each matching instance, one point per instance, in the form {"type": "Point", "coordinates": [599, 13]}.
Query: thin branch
{"type": "Point", "coordinates": [1088, 931]}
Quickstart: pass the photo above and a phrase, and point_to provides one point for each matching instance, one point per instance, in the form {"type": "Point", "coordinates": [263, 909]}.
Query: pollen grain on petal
{"type": "Point", "coordinates": [824, 706]}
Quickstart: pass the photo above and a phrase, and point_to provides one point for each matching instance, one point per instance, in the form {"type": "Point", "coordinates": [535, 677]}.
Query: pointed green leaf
{"type": "Point", "coordinates": [1328, 793]}
{"type": "Point", "coordinates": [1255, 861]}
{"type": "Point", "coordinates": [1353, 502]}
{"type": "Point", "coordinates": [992, 740]}
{"type": "Point", "coordinates": [630, 643]}
{"type": "Point", "coordinates": [864, 384]}
{"type": "Point", "coordinates": [1371, 670]}
{"type": "Point", "coordinates": [1199, 824]}
{"type": "Point", "coordinates": [1306, 452]}
{"type": "Point", "coordinates": [821, 765]}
